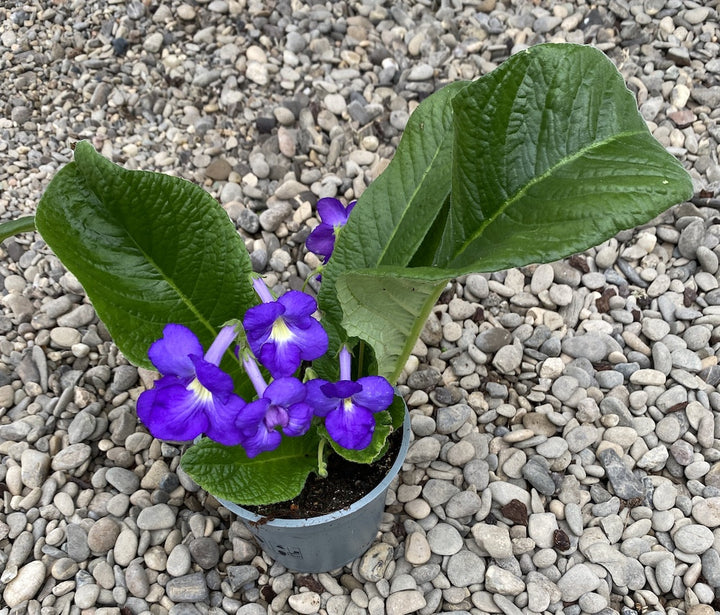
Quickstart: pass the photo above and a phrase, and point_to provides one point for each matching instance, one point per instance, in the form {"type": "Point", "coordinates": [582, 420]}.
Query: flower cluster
{"type": "Point", "coordinates": [195, 396]}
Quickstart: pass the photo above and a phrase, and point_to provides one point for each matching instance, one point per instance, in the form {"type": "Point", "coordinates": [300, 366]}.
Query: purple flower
{"type": "Point", "coordinates": [194, 396]}
{"type": "Point", "coordinates": [281, 407]}
{"type": "Point", "coordinates": [348, 407]}
{"type": "Point", "coordinates": [334, 216]}
{"type": "Point", "coordinates": [282, 333]}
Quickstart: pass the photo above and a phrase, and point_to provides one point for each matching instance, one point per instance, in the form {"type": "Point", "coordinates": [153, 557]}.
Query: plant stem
{"type": "Point", "coordinates": [322, 464]}
{"type": "Point", "coordinates": [13, 227]}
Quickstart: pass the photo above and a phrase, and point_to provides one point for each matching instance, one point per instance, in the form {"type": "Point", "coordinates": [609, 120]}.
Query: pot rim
{"type": "Point", "coordinates": [380, 488]}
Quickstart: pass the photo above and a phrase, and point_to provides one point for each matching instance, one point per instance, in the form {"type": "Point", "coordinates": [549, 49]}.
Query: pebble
{"type": "Point", "coordinates": [102, 535]}
{"type": "Point", "coordinates": [157, 517]}
{"type": "Point", "coordinates": [375, 561]}
{"type": "Point", "coordinates": [404, 602]}
{"type": "Point", "coordinates": [493, 539]}
{"type": "Point", "coordinates": [444, 539]}
{"type": "Point", "coordinates": [25, 585]}
{"type": "Point", "coordinates": [576, 581]}
{"type": "Point", "coordinates": [34, 467]}
{"type": "Point", "coordinates": [126, 547]}
{"type": "Point", "coordinates": [71, 457]}
{"type": "Point", "coordinates": [417, 549]}
{"type": "Point", "coordinates": [502, 581]}
{"type": "Point", "coordinates": [305, 602]}
{"type": "Point", "coordinates": [693, 538]}
{"type": "Point", "coordinates": [707, 512]}
{"type": "Point", "coordinates": [188, 588]}
{"type": "Point", "coordinates": [465, 568]}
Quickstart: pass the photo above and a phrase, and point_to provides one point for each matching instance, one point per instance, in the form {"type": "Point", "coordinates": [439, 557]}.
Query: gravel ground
{"type": "Point", "coordinates": [566, 420]}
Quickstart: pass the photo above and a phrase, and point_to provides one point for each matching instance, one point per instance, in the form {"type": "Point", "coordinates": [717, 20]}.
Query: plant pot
{"type": "Point", "coordinates": [324, 543]}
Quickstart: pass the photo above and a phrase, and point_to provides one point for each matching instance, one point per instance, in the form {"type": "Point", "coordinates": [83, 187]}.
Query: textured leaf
{"type": "Point", "coordinates": [548, 156]}
{"type": "Point", "coordinates": [551, 157]}
{"type": "Point", "coordinates": [228, 473]}
{"type": "Point", "coordinates": [148, 248]}
{"type": "Point", "coordinates": [388, 311]}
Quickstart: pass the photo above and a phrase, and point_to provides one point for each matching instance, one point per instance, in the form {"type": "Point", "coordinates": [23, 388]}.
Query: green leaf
{"type": "Point", "coordinates": [10, 228]}
{"type": "Point", "coordinates": [551, 157]}
{"type": "Point", "coordinates": [227, 472]}
{"type": "Point", "coordinates": [385, 423]}
{"type": "Point", "coordinates": [387, 310]}
{"type": "Point", "coordinates": [544, 157]}
{"type": "Point", "coordinates": [148, 248]}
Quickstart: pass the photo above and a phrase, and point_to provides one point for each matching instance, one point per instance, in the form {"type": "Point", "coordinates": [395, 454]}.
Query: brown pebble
{"type": "Point", "coordinates": [218, 169]}
{"type": "Point", "coordinates": [561, 540]}
{"type": "Point", "coordinates": [516, 511]}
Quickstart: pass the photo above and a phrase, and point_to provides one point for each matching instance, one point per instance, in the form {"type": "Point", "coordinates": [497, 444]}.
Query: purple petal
{"type": "Point", "coordinates": [311, 340]}
{"type": "Point", "coordinates": [170, 354]}
{"type": "Point", "coordinates": [321, 403]}
{"type": "Point", "coordinates": [351, 426]}
{"type": "Point", "coordinates": [252, 415]}
{"type": "Point", "coordinates": [321, 241]}
{"type": "Point", "coordinates": [280, 359]}
{"type": "Point", "coordinates": [222, 419]}
{"type": "Point", "coordinates": [376, 395]}
{"type": "Point", "coordinates": [276, 416]}
{"type": "Point", "coordinates": [213, 379]}
{"type": "Point", "coordinates": [332, 211]}
{"type": "Point", "coordinates": [298, 305]}
{"type": "Point", "coordinates": [285, 392]}
{"type": "Point", "coordinates": [263, 440]}
{"type": "Point", "coordinates": [258, 322]}
{"type": "Point", "coordinates": [342, 389]}
{"type": "Point", "coordinates": [299, 419]}
{"type": "Point", "coordinates": [171, 411]}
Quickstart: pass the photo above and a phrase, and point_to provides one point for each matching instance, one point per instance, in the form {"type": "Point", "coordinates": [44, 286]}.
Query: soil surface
{"type": "Point", "coordinates": [345, 484]}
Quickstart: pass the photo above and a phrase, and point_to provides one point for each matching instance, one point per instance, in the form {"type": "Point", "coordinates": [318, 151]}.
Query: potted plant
{"type": "Point", "coordinates": [543, 157]}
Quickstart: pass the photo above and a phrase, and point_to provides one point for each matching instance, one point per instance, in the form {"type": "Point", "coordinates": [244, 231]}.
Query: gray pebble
{"type": "Point", "coordinates": [157, 517]}
{"type": "Point", "coordinates": [450, 419]}
{"type": "Point", "coordinates": [624, 483]}
{"type": "Point", "coordinates": [205, 552]}
{"type": "Point", "coordinates": [693, 539]}
{"type": "Point", "coordinates": [123, 480]}
{"type": "Point", "coordinates": [188, 588]}
{"type": "Point", "coordinates": [465, 568]}
{"type": "Point", "coordinates": [179, 561]}
{"type": "Point", "coordinates": [444, 539]}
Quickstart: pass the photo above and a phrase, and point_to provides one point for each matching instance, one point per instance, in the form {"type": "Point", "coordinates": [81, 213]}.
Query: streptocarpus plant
{"type": "Point", "coordinates": [543, 157]}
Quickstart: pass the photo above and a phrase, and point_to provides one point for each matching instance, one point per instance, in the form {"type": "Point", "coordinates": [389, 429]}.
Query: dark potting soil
{"type": "Point", "coordinates": [345, 484]}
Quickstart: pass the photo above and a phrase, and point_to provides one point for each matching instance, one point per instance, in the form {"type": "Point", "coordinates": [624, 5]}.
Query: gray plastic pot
{"type": "Point", "coordinates": [324, 543]}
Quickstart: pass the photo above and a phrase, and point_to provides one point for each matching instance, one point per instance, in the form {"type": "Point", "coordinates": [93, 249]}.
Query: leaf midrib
{"type": "Point", "coordinates": [535, 180]}
{"type": "Point", "coordinates": [126, 231]}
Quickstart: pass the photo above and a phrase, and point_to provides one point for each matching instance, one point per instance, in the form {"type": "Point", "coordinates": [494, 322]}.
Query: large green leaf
{"type": "Point", "coordinates": [551, 157]}
{"type": "Point", "coordinates": [148, 248]}
{"type": "Point", "coordinates": [227, 472]}
{"type": "Point", "coordinates": [546, 156]}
